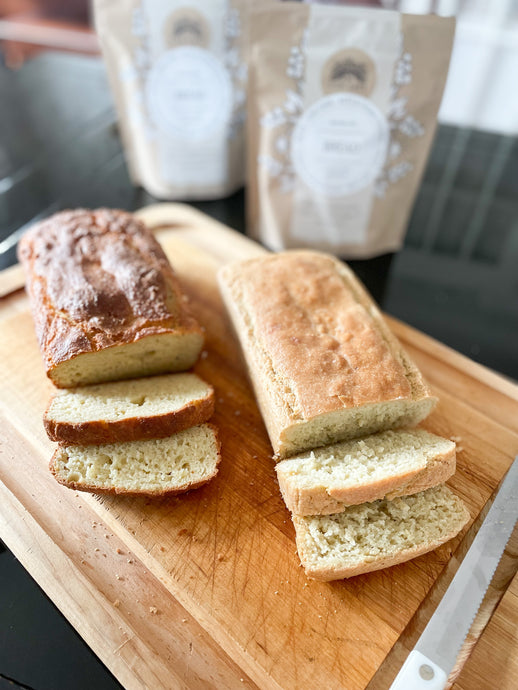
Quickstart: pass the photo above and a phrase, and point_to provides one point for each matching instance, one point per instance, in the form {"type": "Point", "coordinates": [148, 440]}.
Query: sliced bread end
{"type": "Point", "coordinates": [153, 354]}
{"type": "Point", "coordinates": [351, 423]}
{"type": "Point", "coordinates": [131, 410]}
{"type": "Point", "coordinates": [377, 535]}
{"type": "Point", "coordinates": [388, 464]}
{"type": "Point", "coordinates": [154, 467]}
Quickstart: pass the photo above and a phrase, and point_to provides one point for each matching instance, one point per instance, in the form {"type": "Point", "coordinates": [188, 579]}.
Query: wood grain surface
{"type": "Point", "coordinates": [206, 590]}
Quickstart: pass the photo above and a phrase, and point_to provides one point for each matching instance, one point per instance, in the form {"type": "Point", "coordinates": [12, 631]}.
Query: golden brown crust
{"type": "Point", "coordinates": [91, 488]}
{"type": "Point", "coordinates": [323, 501]}
{"type": "Point", "coordinates": [132, 429]}
{"type": "Point", "coordinates": [329, 357]}
{"type": "Point", "coordinates": [98, 279]}
{"type": "Point", "coordinates": [314, 341]}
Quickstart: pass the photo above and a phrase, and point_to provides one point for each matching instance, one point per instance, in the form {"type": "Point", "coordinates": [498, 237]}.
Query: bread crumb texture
{"type": "Point", "coordinates": [127, 399]}
{"type": "Point", "coordinates": [155, 466]}
{"type": "Point", "coordinates": [373, 535]}
{"type": "Point", "coordinates": [364, 470]}
{"type": "Point", "coordinates": [378, 455]}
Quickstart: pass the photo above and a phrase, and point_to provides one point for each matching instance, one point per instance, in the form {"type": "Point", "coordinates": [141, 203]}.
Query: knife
{"type": "Point", "coordinates": [431, 661]}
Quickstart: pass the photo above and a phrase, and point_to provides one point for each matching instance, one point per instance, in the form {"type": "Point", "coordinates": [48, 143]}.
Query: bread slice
{"type": "Point", "coordinates": [155, 467]}
{"type": "Point", "coordinates": [387, 464]}
{"type": "Point", "coordinates": [324, 365]}
{"type": "Point", "coordinates": [151, 407]}
{"type": "Point", "coordinates": [377, 535]}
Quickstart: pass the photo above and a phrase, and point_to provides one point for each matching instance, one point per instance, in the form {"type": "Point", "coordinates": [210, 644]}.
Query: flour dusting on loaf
{"type": "Point", "coordinates": [105, 300]}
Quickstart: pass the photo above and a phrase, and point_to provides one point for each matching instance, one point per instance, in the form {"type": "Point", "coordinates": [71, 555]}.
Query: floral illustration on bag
{"type": "Point", "coordinates": [236, 68]}
{"type": "Point", "coordinates": [284, 118]}
{"type": "Point", "coordinates": [402, 124]}
{"type": "Point", "coordinates": [133, 74]}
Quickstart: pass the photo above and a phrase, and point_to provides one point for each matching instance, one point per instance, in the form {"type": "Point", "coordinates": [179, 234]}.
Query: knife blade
{"type": "Point", "coordinates": [431, 661]}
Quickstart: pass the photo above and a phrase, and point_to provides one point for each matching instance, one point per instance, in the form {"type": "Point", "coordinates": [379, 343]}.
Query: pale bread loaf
{"type": "Point", "coordinates": [155, 467]}
{"type": "Point", "coordinates": [129, 410]}
{"type": "Point", "coordinates": [377, 535]}
{"type": "Point", "coordinates": [324, 365]}
{"type": "Point", "coordinates": [388, 464]}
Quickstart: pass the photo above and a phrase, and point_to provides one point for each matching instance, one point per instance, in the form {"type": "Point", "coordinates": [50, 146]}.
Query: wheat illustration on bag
{"type": "Point", "coordinates": [237, 69]}
{"type": "Point", "coordinates": [401, 123]}
{"type": "Point", "coordinates": [285, 118]}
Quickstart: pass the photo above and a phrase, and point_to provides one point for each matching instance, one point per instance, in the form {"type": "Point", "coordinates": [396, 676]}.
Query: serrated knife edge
{"type": "Point", "coordinates": [433, 657]}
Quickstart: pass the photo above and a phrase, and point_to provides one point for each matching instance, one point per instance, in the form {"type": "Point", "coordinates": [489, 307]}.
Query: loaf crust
{"type": "Point", "coordinates": [99, 280]}
{"type": "Point", "coordinates": [130, 429]}
{"type": "Point", "coordinates": [323, 363]}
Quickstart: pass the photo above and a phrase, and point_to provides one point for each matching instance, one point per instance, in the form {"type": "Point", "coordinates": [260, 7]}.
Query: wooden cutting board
{"type": "Point", "coordinates": [206, 590]}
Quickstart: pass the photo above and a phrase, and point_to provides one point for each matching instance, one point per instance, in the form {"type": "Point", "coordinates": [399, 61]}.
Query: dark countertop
{"type": "Point", "coordinates": [455, 279]}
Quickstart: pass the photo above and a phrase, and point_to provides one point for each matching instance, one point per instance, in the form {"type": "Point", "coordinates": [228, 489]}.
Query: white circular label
{"type": "Point", "coordinates": [189, 93]}
{"type": "Point", "coordinates": [339, 145]}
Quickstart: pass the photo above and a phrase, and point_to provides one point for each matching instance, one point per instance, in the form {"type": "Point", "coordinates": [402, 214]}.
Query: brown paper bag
{"type": "Point", "coordinates": [342, 110]}
{"type": "Point", "coordinates": [178, 75]}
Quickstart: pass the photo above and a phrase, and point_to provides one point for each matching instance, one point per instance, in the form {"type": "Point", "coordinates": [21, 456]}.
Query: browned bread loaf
{"type": "Point", "coordinates": [105, 300]}
{"type": "Point", "coordinates": [324, 365]}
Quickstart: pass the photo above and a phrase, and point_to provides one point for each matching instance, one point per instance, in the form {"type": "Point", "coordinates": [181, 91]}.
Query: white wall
{"type": "Point", "coordinates": [482, 86]}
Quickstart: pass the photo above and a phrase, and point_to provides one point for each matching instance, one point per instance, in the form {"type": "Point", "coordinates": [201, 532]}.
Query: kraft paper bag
{"type": "Point", "coordinates": [178, 74]}
{"type": "Point", "coordinates": [342, 110]}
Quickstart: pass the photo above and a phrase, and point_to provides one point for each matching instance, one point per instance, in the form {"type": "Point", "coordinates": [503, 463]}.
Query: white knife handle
{"type": "Point", "coordinates": [419, 673]}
